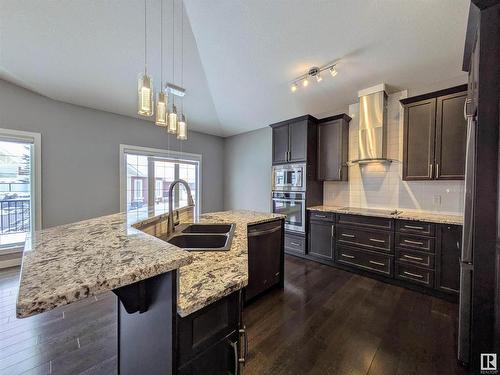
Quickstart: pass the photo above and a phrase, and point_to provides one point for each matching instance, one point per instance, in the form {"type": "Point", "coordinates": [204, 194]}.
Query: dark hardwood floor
{"type": "Point", "coordinates": [326, 321]}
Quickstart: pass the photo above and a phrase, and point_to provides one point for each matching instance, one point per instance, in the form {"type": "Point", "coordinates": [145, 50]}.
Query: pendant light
{"type": "Point", "coordinates": [161, 102]}
{"type": "Point", "coordinates": [172, 116]}
{"type": "Point", "coordinates": [145, 88]}
{"type": "Point", "coordinates": [182, 125]}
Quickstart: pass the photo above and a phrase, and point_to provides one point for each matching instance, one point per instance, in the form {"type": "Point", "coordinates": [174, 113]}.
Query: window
{"type": "Point", "coordinates": [146, 175]}
{"type": "Point", "coordinates": [20, 208]}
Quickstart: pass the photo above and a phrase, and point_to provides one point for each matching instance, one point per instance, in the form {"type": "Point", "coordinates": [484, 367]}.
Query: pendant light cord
{"type": "Point", "coordinates": [145, 39]}
{"type": "Point", "coordinates": [182, 53]}
{"type": "Point", "coordinates": [173, 49]}
{"type": "Point", "coordinates": [161, 47]}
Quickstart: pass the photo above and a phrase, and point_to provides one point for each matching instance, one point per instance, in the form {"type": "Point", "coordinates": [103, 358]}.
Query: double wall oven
{"type": "Point", "coordinates": [289, 195]}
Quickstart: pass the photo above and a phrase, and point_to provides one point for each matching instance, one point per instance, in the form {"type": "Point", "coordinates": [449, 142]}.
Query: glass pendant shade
{"type": "Point", "coordinates": [161, 110]}
{"type": "Point", "coordinates": [182, 128]}
{"type": "Point", "coordinates": [172, 121]}
{"type": "Point", "coordinates": [145, 94]}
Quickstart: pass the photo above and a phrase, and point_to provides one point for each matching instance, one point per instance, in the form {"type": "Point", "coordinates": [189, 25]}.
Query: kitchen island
{"type": "Point", "coordinates": [152, 278]}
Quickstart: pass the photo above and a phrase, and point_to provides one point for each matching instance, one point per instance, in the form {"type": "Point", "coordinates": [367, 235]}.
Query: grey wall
{"type": "Point", "coordinates": [247, 164]}
{"type": "Point", "coordinates": [80, 154]}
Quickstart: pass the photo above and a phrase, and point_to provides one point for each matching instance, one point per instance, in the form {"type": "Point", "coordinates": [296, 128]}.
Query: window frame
{"type": "Point", "coordinates": [11, 135]}
{"type": "Point", "coordinates": [163, 155]}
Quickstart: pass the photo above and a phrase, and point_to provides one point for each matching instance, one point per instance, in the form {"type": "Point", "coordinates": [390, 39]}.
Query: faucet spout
{"type": "Point", "coordinates": [171, 226]}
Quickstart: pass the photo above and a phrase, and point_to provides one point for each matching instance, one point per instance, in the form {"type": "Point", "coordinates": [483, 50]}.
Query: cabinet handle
{"type": "Point", "coordinates": [414, 227]}
{"type": "Point", "coordinates": [236, 359]}
{"type": "Point", "coordinates": [340, 173]}
{"type": "Point", "coordinates": [243, 332]}
{"type": "Point", "coordinates": [414, 242]}
{"type": "Point", "coordinates": [437, 170]}
{"type": "Point", "coordinates": [430, 168]}
{"type": "Point", "coordinates": [333, 235]}
{"type": "Point", "coordinates": [411, 257]}
{"type": "Point", "coordinates": [375, 240]}
{"type": "Point", "coordinates": [348, 235]}
{"type": "Point", "coordinates": [321, 216]}
{"type": "Point", "coordinates": [458, 245]}
{"type": "Point", "coordinates": [347, 256]}
{"type": "Point", "coordinates": [294, 243]}
{"type": "Point", "coordinates": [377, 263]}
{"type": "Point", "coordinates": [413, 274]}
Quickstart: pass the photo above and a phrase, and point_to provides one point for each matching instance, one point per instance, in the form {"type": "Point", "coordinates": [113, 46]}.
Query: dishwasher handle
{"type": "Point", "coordinates": [255, 232]}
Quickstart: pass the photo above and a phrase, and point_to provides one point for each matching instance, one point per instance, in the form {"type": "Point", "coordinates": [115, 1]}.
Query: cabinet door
{"type": "Point", "coordinates": [449, 239]}
{"type": "Point", "coordinates": [280, 144]}
{"type": "Point", "coordinates": [321, 239]}
{"type": "Point", "coordinates": [451, 132]}
{"type": "Point", "coordinates": [331, 151]}
{"type": "Point", "coordinates": [298, 141]}
{"type": "Point", "coordinates": [418, 143]}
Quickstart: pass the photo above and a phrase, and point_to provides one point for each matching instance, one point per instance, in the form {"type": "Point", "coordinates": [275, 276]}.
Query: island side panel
{"type": "Point", "coordinates": [146, 339]}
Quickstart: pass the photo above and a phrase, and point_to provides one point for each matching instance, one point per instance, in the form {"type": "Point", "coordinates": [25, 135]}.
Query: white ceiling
{"type": "Point", "coordinates": [239, 57]}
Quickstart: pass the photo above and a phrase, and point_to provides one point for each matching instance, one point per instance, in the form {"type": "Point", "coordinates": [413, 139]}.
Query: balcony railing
{"type": "Point", "coordinates": [15, 216]}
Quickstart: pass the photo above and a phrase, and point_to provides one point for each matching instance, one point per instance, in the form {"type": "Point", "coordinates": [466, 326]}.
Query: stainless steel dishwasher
{"type": "Point", "coordinates": [265, 257]}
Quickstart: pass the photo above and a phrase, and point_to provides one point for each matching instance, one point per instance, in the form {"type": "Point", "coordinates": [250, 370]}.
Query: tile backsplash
{"type": "Point", "coordinates": [381, 185]}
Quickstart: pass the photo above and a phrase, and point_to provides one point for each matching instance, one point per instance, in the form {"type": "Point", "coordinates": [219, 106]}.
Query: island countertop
{"type": "Point", "coordinates": [213, 275]}
{"type": "Point", "coordinates": [70, 262]}
{"type": "Point", "coordinates": [67, 263]}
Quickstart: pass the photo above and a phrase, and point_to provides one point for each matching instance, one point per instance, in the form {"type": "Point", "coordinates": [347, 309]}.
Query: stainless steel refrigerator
{"type": "Point", "coordinates": [466, 257]}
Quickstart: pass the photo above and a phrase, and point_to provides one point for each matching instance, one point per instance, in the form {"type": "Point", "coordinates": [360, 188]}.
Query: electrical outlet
{"type": "Point", "coordinates": [436, 200]}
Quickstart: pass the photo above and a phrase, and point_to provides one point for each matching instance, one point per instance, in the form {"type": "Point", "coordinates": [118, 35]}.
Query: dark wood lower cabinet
{"type": "Point", "coordinates": [449, 244]}
{"type": "Point", "coordinates": [321, 239]}
{"type": "Point", "coordinates": [419, 255]}
{"type": "Point", "coordinates": [208, 340]}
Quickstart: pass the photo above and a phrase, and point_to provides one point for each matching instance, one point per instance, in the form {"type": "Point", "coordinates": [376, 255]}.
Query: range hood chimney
{"type": "Point", "coordinates": [372, 134]}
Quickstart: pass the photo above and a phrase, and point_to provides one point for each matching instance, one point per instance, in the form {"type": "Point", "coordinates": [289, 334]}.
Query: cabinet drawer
{"type": "Point", "coordinates": [409, 241]}
{"type": "Point", "coordinates": [369, 239]}
{"type": "Point", "coordinates": [365, 260]}
{"type": "Point", "coordinates": [323, 216]}
{"type": "Point", "coordinates": [414, 274]}
{"type": "Point", "coordinates": [416, 227]}
{"type": "Point", "coordinates": [295, 243]}
{"type": "Point", "coordinates": [417, 258]}
{"type": "Point", "coordinates": [365, 221]}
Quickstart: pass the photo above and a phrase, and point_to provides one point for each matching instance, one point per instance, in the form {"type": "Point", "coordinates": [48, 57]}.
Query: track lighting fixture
{"type": "Point", "coordinates": [314, 72]}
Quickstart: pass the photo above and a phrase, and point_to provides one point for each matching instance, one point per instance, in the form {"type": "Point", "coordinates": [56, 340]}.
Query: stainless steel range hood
{"type": "Point", "coordinates": [372, 134]}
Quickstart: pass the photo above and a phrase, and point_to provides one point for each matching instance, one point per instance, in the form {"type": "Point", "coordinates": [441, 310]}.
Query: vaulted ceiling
{"type": "Point", "coordinates": [239, 55]}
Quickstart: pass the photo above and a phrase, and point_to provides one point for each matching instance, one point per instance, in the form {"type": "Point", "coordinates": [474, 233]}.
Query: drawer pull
{"type": "Point", "coordinates": [321, 216]}
{"type": "Point", "coordinates": [294, 243]}
{"type": "Point", "coordinates": [414, 227]}
{"type": "Point", "coordinates": [347, 256]}
{"type": "Point", "coordinates": [348, 235]}
{"type": "Point", "coordinates": [411, 257]}
{"type": "Point", "coordinates": [414, 242]}
{"type": "Point", "coordinates": [377, 263]}
{"type": "Point", "coordinates": [413, 274]}
{"type": "Point", "coordinates": [375, 240]}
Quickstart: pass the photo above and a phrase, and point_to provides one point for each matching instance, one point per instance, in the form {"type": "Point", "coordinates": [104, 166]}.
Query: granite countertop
{"type": "Point", "coordinates": [392, 213]}
{"type": "Point", "coordinates": [213, 275]}
{"type": "Point", "coordinates": [70, 262]}
{"type": "Point", "coordinates": [67, 263]}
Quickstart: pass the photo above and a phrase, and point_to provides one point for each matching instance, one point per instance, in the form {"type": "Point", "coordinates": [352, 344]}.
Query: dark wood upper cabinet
{"type": "Point", "coordinates": [451, 131]}
{"type": "Point", "coordinates": [333, 147]}
{"type": "Point", "coordinates": [449, 238]}
{"type": "Point", "coordinates": [290, 140]}
{"type": "Point", "coordinates": [298, 141]}
{"type": "Point", "coordinates": [434, 135]}
{"type": "Point", "coordinates": [280, 144]}
{"type": "Point", "coordinates": [418, 140]}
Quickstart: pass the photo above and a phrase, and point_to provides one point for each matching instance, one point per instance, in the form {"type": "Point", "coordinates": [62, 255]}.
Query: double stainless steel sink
{"type": "Point", "coordinates": [202, 237]}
